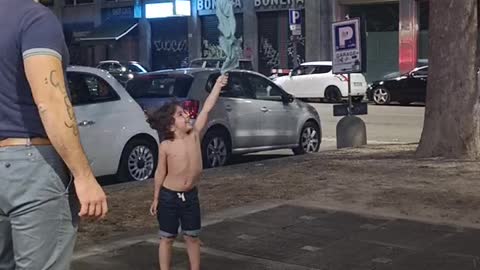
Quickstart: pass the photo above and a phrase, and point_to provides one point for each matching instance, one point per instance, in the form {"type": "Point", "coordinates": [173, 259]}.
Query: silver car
{"type": "Point", "coordinates": [253, 114]}
{"type": "Point", "coordinates": [112, 126]}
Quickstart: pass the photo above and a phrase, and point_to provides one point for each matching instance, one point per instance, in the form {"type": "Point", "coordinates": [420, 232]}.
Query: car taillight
{"type": "Point", "coordinates": [342, 77]}
{"type": "Point", "coordinates": [191, 107]}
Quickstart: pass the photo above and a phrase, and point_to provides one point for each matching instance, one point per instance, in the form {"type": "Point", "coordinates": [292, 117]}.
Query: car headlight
{"type": "Point", "coordinates": [130, 76]}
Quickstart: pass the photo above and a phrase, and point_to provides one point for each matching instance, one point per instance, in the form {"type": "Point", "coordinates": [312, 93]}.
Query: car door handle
{"type": "Point", "coordinates": [86, 123]}
{"type": "Point", "coordinates": [264, 109]}
{"type": "Point", "coordinates": [228, 108]}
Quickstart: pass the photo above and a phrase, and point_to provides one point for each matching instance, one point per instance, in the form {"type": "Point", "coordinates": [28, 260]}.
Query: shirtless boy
{"type": "Point", "coordinates": [175, 199]}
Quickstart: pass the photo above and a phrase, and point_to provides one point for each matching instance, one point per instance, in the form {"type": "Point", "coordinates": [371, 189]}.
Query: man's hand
{"type": "Point", "coordinates": [93, 201]}
{"type": "Point", "coordinates": [154, 207]}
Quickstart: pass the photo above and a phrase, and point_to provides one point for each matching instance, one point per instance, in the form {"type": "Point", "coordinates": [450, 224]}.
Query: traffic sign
{"type": "Point", "coordinates": [347, 47]}
{"type": "Point", "coordinates": [295, 20]}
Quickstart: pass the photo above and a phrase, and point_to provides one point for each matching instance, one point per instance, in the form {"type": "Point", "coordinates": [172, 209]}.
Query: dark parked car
{"type": "Point", "coordinates": [123, 72]}
{"type": "Point", "coordinates": [405, 89]}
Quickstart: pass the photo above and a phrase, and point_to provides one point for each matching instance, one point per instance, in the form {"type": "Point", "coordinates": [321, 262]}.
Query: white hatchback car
{"type": "Point", "coordinates": [316, 80]}
{"type": "Point", "coordinates": [113, 131]}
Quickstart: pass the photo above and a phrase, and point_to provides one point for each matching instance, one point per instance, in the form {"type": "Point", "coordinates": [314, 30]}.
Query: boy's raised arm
{"type": "Point", "coordinates": [210, 102]}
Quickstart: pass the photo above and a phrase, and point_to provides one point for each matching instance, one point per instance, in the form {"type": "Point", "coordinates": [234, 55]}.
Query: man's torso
{"type": "Point", "coordinates": [19, 116]}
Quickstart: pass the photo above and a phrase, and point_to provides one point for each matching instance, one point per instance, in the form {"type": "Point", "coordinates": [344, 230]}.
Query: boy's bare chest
{"type": "Point", "coordinates": [186, 152]}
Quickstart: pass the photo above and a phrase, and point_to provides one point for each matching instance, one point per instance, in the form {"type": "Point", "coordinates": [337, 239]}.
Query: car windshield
{"type": "Point", "coordinates": [160, 86]}
{"type": "Point", "coordinates": [303, 70]}
{"type": "Point", "coordinates": [135, 68]}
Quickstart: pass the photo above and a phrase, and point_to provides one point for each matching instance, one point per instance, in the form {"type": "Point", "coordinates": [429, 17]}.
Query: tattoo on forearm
{"type": "Point", "coordinates": [72, 126]}
{"type": "Point", "coordinates": [71, 114]}
{"type": "Point", "coordinates": [55, 84]}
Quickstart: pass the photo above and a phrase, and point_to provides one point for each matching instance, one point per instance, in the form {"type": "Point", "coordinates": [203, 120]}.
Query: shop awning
{"type": "Point", "coordinates": [111, 30]}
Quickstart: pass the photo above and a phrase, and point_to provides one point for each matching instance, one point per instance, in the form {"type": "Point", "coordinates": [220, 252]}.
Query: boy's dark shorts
{"type": "Point", "coordinates": [177, 209]}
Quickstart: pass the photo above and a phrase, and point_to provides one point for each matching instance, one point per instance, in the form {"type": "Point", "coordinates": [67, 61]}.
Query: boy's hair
{"type": "Point", "coordinates": [163, 119]}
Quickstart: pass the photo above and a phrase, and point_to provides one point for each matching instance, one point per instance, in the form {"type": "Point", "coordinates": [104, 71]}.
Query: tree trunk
{"type": "Point", "coordinates": [452, 127]}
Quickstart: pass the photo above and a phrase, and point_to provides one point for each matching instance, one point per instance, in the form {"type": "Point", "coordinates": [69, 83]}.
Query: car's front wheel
{"type": "Point", "coordinates": [216, 149]}
{"type": "Point", "coordinates": [309, 141]}
{"type": "Point", "coordinates": [381, 96]}
{"type": "Point", "coordinates": [139, 160]}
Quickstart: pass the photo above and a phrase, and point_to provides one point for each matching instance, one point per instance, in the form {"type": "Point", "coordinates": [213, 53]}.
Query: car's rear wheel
{"type": "Point", "coordinates": [309, 141]}
{"type": "Point", "coordinates": [381, 96]}
{"type": "Point", "coordinates": [139, 160]}
{"type": "Point", "coordinates": [216, 149]}
{"type": "Point", "coordinates": [333, 94]}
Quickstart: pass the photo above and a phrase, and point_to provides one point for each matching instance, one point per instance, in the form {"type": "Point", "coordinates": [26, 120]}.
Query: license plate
{"type": "Point", "coordinates": [357, 84]}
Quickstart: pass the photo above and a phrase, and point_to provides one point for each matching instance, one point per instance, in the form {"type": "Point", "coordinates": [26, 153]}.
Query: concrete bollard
{"type": "Point", "coordinates": [351, 132]}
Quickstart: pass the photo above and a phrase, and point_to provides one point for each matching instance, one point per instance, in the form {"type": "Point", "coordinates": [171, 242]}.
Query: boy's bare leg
{"type": "Point", "coordinates": [193, 250]}
{"type": "Point", "coordinates": [165, 253]}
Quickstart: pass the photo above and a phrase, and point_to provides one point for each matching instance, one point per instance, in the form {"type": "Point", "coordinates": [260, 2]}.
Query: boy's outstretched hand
{"type": "Point", "coordinates": [210, 102]}
{"type": "Point", "coordinates": [222, 81]}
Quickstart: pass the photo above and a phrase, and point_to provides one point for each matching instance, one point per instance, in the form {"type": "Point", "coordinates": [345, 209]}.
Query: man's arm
{"type": "Point", "coordinates": [210, 102]}
{"type": "Point", "coordinates": [47, 82]}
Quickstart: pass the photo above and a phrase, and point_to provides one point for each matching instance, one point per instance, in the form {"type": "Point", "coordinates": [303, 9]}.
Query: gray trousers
{"type": "Point", "coordinates": [38, 210]}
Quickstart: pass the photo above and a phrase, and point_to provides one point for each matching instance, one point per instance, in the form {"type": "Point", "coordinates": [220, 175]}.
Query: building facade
{"type": "Point", "coordinates": [161, 34]}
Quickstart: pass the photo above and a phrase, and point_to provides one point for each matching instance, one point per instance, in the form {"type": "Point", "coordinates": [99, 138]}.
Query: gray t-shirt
{"type": "Point", "coordinates": [28, 29]}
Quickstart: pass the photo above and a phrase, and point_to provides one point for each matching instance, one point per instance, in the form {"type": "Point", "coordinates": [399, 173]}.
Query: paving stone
{"type": "Point", "coordinates": [406, 234]}
{"type": "Point", "coordinates": [348, 254]}
{"type": "Point", "coordinates": [284, 216]}
{"type": "Point", "coordinates": [436, 261]}
{"type": "Point", "coordinates": [467, 243]}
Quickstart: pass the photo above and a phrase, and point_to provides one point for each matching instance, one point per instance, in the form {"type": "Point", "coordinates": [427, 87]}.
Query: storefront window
{"type": "Point", "coordinates": [379, 17]}
{"type": "Point", "coordinates": [158, 10]}
{"type": "Point", "coordinates": [183, 7]}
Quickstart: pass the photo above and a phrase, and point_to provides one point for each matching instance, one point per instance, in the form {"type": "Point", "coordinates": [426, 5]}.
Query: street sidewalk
{"type": "Point", "coordinates": [292, 236]}
{"type": "Point", "coordinates": [378, 207]}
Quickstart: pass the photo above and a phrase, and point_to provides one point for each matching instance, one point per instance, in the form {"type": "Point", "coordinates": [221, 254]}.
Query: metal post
{"type": "Point", "coordinates": [295, 40]}
{"type": "Point", "coordinates": [350, 104]}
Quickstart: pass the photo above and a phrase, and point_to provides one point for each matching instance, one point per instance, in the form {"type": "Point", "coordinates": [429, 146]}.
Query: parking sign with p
{"type": "Point", "coordinates": [347, 49]}
{"type": "Point", "coordinates": [295, 19]}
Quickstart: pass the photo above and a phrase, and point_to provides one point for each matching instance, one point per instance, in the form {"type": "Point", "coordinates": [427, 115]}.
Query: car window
{"type": "Point", "coordinates": [160, 86]}
{"type": "Point", "coordinates": [247, 65]}
{"type": "Point", "coordinates": [303, 70]}
{"type": "Point", "coordinates": [322, 69]}
{"type": "Point", "coordinates": [105, 66]}
{"type": "Point", "coordinates": [212, 64]}
{"type": "Point", "coordinates": [264, 89]}
{"type": "Point", "coordinates": [421, 72]}
{"type": "Point", "coordinates": [116, 68]}
{"type": "Point", "coordinates": [88, 88]}
{"type": "Point", "coordinates": [134, 68]}
{"type": "Point", "coordinates": [236, 87]}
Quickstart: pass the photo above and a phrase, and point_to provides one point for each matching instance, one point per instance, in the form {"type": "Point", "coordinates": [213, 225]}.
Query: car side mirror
{"type": "Point", "coordinates": [287, 98]}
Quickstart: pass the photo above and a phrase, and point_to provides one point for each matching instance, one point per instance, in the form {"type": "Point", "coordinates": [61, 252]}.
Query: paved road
{"type": "Point", "coordinates": [385, 124]}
